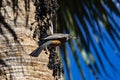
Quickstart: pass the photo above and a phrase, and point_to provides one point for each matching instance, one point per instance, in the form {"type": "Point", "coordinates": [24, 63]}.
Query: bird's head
{"type": "Point", "coordinates": [69, 36]}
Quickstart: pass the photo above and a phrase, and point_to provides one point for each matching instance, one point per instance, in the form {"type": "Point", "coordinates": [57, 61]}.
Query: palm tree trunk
{"type": "Point", "coordinates": [16, 43]}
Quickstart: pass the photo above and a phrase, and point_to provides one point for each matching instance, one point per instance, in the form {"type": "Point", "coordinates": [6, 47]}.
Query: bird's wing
{"type": "Point", "coordinates": [37, 51]}
{"type": "Point", "coordinates": [55, 36]}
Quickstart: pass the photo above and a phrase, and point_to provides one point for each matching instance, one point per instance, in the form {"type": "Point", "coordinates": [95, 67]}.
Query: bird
{"type": "Point", "coordinates": [55, 39]}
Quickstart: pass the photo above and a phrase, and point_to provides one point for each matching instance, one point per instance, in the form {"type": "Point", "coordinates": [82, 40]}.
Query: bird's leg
{"type": "Point", "coordinates": [46, 50]}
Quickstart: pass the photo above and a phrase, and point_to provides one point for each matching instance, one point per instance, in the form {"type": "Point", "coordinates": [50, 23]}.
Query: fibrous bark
{"type": "Point", "coordinates": [16, 43]}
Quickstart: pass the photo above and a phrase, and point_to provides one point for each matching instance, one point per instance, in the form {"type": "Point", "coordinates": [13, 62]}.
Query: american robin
{"type": "Point", "coordinates": [56, 39]}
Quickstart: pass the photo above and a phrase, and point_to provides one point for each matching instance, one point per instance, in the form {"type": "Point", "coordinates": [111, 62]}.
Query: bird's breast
{"type": "Point", "coordinates": [56, 42]}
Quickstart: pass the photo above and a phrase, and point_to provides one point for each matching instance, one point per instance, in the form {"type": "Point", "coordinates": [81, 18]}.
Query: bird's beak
{"type": "Point", "coordinates": [73, 37]}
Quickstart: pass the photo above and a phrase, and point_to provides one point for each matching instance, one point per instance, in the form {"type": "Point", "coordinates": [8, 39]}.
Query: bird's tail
{"type": "Point", "coordinates": [36, 52]}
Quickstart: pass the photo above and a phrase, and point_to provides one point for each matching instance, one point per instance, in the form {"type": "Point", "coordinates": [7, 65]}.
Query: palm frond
{"type": "Point", "coordinates": [95, 54]}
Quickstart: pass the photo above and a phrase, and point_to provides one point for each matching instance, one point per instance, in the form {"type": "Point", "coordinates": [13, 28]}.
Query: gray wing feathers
{"type": "Point", "coordinates": [55, 36]}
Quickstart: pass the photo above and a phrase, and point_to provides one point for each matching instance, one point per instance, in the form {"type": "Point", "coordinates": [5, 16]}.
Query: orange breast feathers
{"type": "Point", "coordinates": [56, 42]}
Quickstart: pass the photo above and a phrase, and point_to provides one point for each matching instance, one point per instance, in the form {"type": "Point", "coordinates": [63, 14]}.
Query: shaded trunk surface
{"type": "Point", "coordinates": [16, 43]}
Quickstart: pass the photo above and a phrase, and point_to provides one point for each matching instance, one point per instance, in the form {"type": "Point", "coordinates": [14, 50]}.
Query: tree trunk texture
{"type": "Point", "coordinates": [16, 43]}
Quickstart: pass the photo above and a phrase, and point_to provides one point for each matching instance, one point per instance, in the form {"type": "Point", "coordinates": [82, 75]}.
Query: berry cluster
{"type": "Point", "coordinates": [45, 16]}
{"type": "Point", "coordinates": [44, 7]}
{"type": "Point", "coordinates": [55, 63]}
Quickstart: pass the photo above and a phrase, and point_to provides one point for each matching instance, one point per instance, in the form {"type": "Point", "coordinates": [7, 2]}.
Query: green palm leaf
{"type": "Point", "coordinates": [96, 50]}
